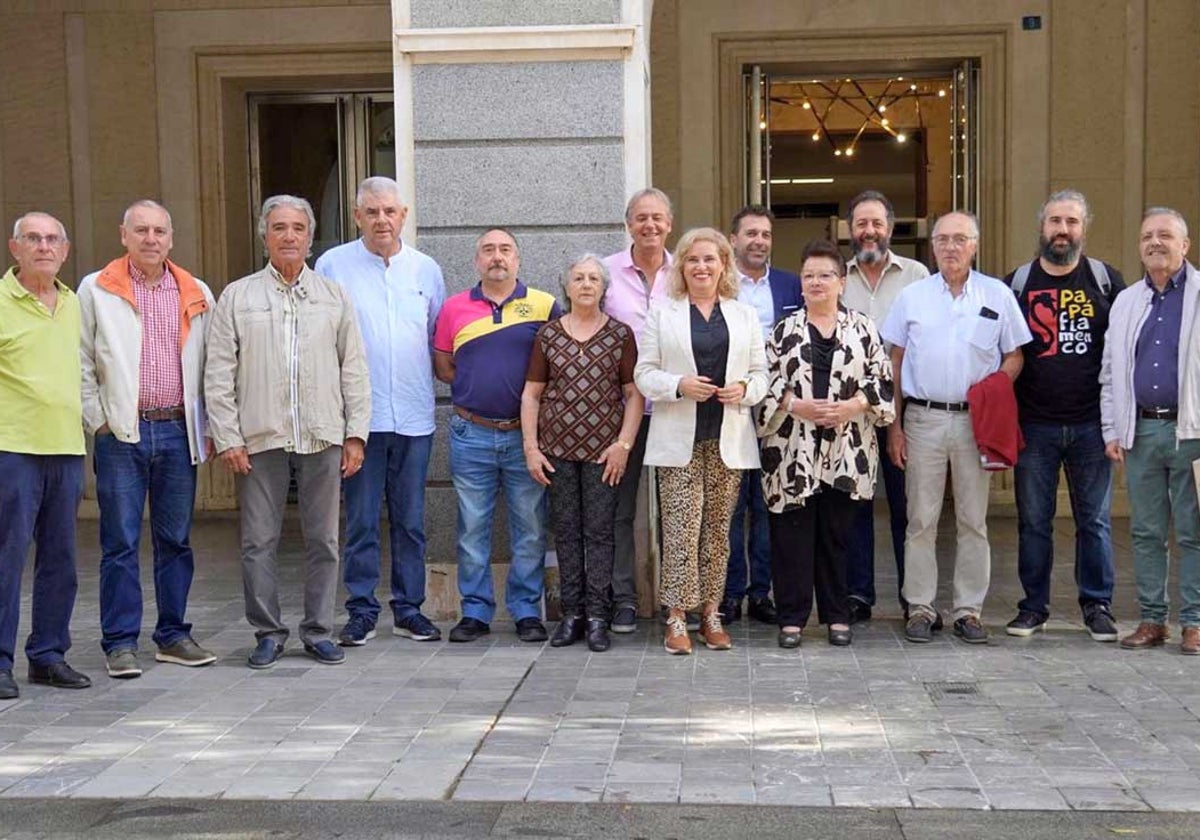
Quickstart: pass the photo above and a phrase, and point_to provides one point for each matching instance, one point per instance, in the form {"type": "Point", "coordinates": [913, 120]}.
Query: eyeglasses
{"type": "Point", "coordinates": [824, 277]}
{"type": "Point", "coordinates": [36, 240]}
{"type": "Point", "coordinates": [958, 240]}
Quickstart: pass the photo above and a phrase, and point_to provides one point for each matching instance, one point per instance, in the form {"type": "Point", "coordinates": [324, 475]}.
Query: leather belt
{"type": "Point", "coordinates": [154, 415]}
{"type": "Point", "coordinates": [940, 406]}
{"type": "Point", "coordinates": [1159, 413]}
{"type": "Point", "coordinates": [488, 422]}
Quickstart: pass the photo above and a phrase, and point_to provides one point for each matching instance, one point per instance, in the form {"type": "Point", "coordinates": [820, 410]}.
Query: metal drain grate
{"type": "Point", "coordinates": [954, 692]}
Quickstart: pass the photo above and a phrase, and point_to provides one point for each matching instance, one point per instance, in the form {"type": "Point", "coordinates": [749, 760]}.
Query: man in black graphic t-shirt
{"type": "Point", "coordinates": [1065, 299]}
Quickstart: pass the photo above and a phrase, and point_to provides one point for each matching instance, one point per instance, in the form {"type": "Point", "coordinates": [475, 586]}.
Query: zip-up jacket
{"type": "Point", "coordinates": [1118, 407]}
{"type": "Point", "coordinates": [111, 350]}
{"type": "Point", "coordinates": [286, 370]}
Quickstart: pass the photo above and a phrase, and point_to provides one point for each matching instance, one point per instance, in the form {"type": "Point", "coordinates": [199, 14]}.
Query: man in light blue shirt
{"type": "Point", "coordinates": [397, 293]}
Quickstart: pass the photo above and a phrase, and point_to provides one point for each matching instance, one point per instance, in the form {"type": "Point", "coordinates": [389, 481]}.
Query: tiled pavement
{"type": "Point", "coordinates": [1053, 722]}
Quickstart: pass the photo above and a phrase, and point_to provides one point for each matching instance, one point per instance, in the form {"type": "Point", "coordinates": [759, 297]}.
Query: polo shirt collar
{"type": "Point", "coordinates": [626, 259]}
{"type": "Point", "coordinates": [517, 293]}
{"type": "Point", "coordinates": [13, 286]}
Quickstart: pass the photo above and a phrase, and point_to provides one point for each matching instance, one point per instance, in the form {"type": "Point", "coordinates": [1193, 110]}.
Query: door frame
{"type": "Point", "coordinates": [825, 53]}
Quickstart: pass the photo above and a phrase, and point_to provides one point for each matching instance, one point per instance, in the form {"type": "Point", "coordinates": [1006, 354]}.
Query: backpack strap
{"type": "Point", "coordinates": [1100, 272]}
{"type": "Point", "coordinates": [1020, 278]}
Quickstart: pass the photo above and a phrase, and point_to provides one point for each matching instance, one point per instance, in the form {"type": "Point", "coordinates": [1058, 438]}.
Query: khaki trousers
{"type": "Point", "coordinates": [935, 440]}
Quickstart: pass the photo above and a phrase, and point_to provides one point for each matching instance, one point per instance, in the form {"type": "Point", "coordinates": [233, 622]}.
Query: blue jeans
{"type": "Point", "coordinates": [394, 468]}
{"type": "Point", "coordinates": [1162, 493]}
{"type": "Point", "coordinates": [159, 464]}
{"type": "Point", "coordinates": [1080, 449]}
{"type": "Point", "coordinates": [482, 463]}
{"type": "Point", "coordinates": [39, 497]}
{"type": "Point", "coordinates": [750, 497]}
{"type": "Point", "coordinates": [860, 542]}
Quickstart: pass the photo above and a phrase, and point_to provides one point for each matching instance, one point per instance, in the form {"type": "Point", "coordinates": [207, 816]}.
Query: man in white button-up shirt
{"type": "Point", "coordinates": [397, 293]}
{"type": "Point", "coordinates": [948, 332]}
{"type": "Point", "coordinates": [874, 278]}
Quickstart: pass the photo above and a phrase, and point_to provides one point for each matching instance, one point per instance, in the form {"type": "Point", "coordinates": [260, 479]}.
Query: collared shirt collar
{"type": "Point", "coordinates": [16, 290]}
{"type": "Point", "coordinates": [139, 276]}
{"type": "Point", "coordinates": [626, 259]}
{"type": "Point", "coordinates": [967, 284]}
{"type": "Point", "coordinates": [518, 292]}
{"type": "Point", "coordinates": [275, 273]}
{"type": "Point", "coordinates": [887, 263]}
{"type": "Point", "coordinates": [746, 278]}
{"type": "Point", "coordinates": [1176, 280]}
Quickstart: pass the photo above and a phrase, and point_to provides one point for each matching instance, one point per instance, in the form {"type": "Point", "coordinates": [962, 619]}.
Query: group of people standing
{"type": "Point", "coordinates": [766, 402]}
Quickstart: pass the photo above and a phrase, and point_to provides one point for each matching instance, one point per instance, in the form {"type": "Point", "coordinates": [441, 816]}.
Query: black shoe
{"type": "Point", "coordinates": [597, 635]}
{"type": "Point", "coordinates": [789, 638]}
{"type": "Point", "coordinates": [8, 686]}
{"type": "Point", "coordinates": [325, 652]}
{"type": "Point", "coordinates": [970, 630]}
{"type": "Point", "coordinates": [624, 620]}
{"type": "Point", "coordinates": [531, 630]}
{"type": "Point", "coordinates": [937, 620]}
{"type": "Point", "coordinates": [919, 628]}
{"type": "Point", "coordinates": [840, 638]}
{"type": "Point", "coordinates": [1028, 622]}
{"type": "Point", "coordinates": [1100, 622]}
{"type": "Point", "coordinates": [859, 611]}
{"type": "Point", "coordinates": [762, 609]}
{"type": "Point", "coordinates": [468, 630]}
{"type": "Point", "coordinates": [265, 654]}
{"type": "Point", "coordinates": [569, 631]}
{"type": "Point", "coordinates": [58, 675]}
{"type": "Point", "coordinates": [731, 610]}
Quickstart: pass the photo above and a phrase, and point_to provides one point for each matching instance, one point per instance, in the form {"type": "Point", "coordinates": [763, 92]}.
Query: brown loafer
{"type": "Point", "coordinates": [1147, 635]}
{"type": "Point", "coordinates": [1190, 646]}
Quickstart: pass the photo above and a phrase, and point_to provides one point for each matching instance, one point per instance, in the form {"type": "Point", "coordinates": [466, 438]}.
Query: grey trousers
{"type": "Point", "coordinates": [262, 496]}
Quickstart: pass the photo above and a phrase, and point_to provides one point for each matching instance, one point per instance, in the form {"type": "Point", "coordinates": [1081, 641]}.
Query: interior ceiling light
{"type": "Point", "coordinates": [816, 136]}
{"type": "Point", "coordinates": [849, 151]}
{"type": "Point", "coordinates": [812, 180]}
{"type": "Point", "coordinates": [762, 125]}
{"type": "Point", "coordinates": [837, 152]}
{"type": "Point", "coordinates": [884, 122]}
{"type": "Point", "coordinates": [900, 138]}
{"type": "Point", "coordinates": [807, 105]}
{"type": "Point", "coordinates": [942, 93]}
{"type": "Point", "coordinates": [882, 108]}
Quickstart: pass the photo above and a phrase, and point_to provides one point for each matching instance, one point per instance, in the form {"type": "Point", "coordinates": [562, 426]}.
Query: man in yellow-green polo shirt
{"type": "Point", "coordinates": [41, 451]}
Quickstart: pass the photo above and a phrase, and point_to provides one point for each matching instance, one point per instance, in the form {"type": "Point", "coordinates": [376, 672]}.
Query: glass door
{"type": "Point", "coordinates": [319, 146]}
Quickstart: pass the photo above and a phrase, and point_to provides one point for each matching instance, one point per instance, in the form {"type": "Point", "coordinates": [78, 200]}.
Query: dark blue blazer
{"type": "Point", "coordinates": [785, 290]}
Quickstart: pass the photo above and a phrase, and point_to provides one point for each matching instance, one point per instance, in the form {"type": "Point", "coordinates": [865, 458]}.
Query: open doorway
{"type": "Point", "coordinates": [814, 140]}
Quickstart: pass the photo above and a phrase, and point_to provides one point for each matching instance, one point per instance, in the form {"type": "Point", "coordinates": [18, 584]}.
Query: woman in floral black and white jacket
{"type": "Point", "coordinates": [830, 383]}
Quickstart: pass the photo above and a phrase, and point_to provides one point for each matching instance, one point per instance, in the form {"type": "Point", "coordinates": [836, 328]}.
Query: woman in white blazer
{"type": "Point", "coordinates": [702, 362]}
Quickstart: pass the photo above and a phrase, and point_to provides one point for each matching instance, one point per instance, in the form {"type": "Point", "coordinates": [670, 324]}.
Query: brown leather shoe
{"type": "Point", "coordinates": [1147, 635]}
{"type": "Point", "coordinates": [713, 634]}
{"type": "Point", "coordinates": [1190, 646]}
{"type": "Point", "coordinates": [677, 641]}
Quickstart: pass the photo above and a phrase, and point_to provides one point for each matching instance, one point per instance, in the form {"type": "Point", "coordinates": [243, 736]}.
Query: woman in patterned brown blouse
{"type": "Point", "coordinates": [830, 385]}
{"type": "Point", "coordinates": [579, 416]}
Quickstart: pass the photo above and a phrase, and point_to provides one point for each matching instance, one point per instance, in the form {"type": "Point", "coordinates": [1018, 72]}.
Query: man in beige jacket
{"type": "Point", "coordinates": [287, 389]}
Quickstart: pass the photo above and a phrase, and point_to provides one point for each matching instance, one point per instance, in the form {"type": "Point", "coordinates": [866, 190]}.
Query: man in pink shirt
{"type": "Point", "coordinates": [639, 280]}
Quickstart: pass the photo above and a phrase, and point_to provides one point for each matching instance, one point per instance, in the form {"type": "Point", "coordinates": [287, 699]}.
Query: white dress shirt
{"type": "Point", "coordinates": [757, 293]}
{"type": "Point", "coordinates": [950, 343]}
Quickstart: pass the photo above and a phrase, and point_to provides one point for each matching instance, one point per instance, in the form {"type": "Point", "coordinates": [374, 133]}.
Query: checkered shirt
{"type": "Point", "coordinates": [160, 377]}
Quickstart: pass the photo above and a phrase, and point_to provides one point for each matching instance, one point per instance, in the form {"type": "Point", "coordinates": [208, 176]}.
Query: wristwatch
{"type": "Point", "coordinates": [624, 445]}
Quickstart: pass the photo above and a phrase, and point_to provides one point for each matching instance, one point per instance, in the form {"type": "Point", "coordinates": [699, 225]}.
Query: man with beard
{"type": "Point", "coordinates": [874, 277]}
{"type": "Point", "coordinates": [774, 294]}
{"type": "Point", "coordinates": [1065, 299]}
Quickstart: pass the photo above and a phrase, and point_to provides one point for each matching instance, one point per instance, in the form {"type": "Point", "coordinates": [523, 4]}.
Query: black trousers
{"type": "Point", "coordinates": [623, 584]}
{"type": "Point", "coordinates": [808, 549]}
{"type": "Point", "coordinates": [582, 507]}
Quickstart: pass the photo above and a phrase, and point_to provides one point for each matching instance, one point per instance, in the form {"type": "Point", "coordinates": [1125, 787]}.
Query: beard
{"type": "Point", "coordinates": [1050, 253]}
{"type": "Point", "coordinates": [869, 253]}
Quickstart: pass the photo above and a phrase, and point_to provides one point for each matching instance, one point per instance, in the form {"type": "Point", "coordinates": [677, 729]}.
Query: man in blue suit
{"type": "Point", "coordinates": [774, 294]}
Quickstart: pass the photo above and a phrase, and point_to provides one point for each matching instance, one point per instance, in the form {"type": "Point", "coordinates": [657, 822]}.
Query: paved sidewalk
{"type": "Point", "coordinates": [1055, 722]}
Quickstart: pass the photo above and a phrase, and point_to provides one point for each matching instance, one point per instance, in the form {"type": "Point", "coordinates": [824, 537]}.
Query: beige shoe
{"type": "Point", "coordinates": [677, 640]}
{"type": "Point", "coordinates": [713, 634]}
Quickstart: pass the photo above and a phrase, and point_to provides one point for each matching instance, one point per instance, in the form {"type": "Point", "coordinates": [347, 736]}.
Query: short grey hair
{"type": "Point", "coordinates": [22, 219]}
{"type": "Point", "coordinates": [1066, 195]}
{"type": "Point", "coordinates": [587, 257]}
{"type": "Point", "coordinates": [147, 203]}
{"type": "Point", "coordinates": [1167, 211]}
{"type": "Point", "coordinates": [497, 228]}
{"type": "Point", "coordinates": [295, 202]}
{"type": "Point", "coordinates": [966, 214]}
{"type": "Point", "coordinates": [377, 185]}
{"type": "Point", "coordinates": [649, 192]}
